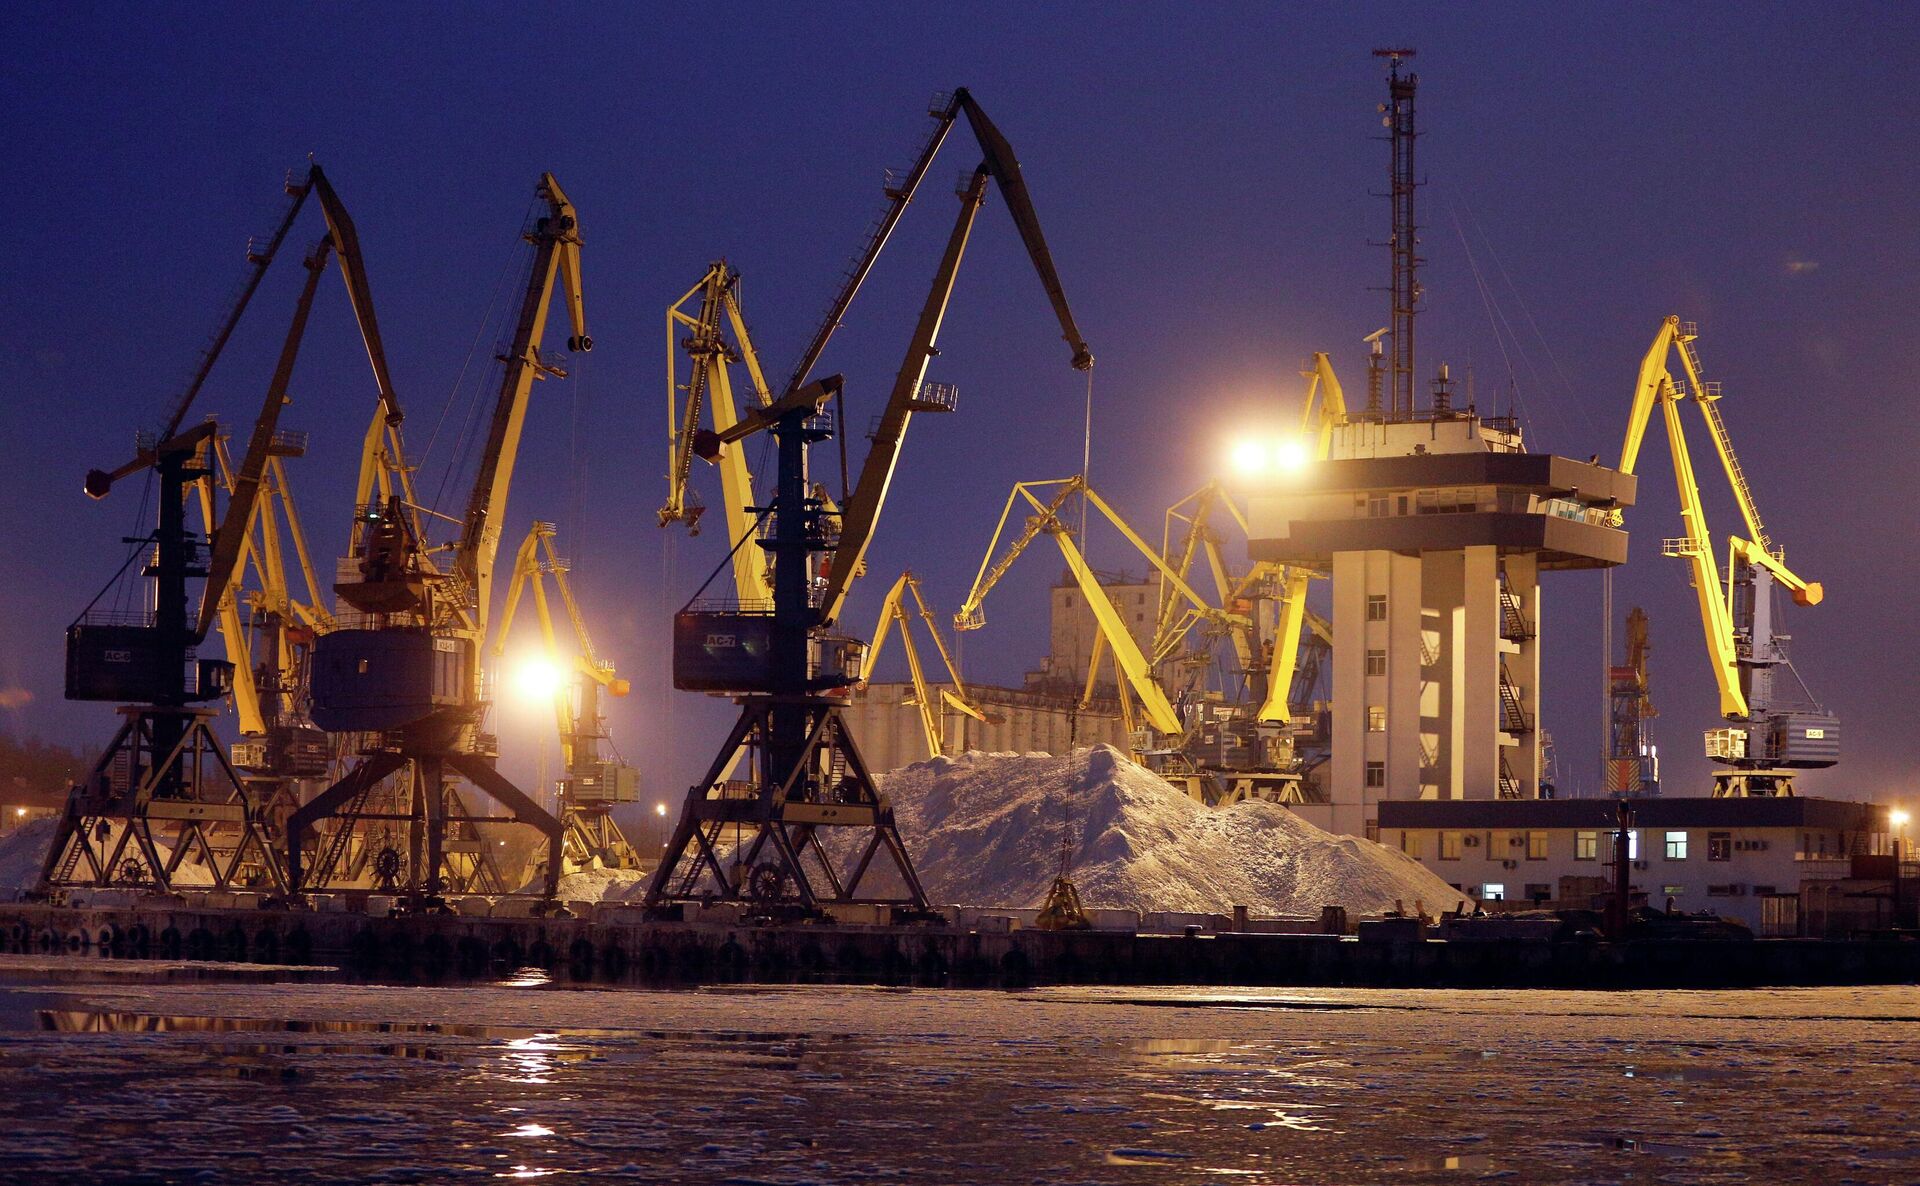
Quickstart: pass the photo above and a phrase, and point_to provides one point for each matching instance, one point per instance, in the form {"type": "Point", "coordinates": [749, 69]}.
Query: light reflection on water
{"type": "Point", "coordinates": [533, 1059]}
{"type": "Point", "coordinates": [525, 978]}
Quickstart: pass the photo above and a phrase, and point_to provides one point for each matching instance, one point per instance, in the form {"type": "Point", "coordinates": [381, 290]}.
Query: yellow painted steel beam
{"type": "Point", "coordinates": [556, 257]}
{"type": "Point", "coordinates": [1126, 652]}
{"type": "Point", "coordinates": [1696, 547]}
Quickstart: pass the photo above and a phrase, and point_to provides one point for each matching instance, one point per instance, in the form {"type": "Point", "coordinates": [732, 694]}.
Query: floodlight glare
{"type": "Point", "coordinates": [1249, 456]}
{"type": "Point", "coordinates": [538, 679]}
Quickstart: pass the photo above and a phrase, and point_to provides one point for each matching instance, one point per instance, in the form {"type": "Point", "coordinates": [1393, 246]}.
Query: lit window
{"type": "Point", "coordinates": [1376, 662]}
{"type": "Point", "coordinates": [1493, 891]}
{"type": "Point", "coordinates": [1633, 843]}
{"type": "Point", "coordinates": [1586, 846]}
{"type": "Point", "coordinates": [1719, 846]}
{"type": "Point", "coordinates": [1536, 846]}
{"type": "Point", "coordinates": [1676, 846]}
{"type": "Point", "coordinates": [1376, 607]}
{"type": "Point", "coordinates": [1376, 719]}
{"type": "Point", "coordinates": [1673, 891]}
{"type": "Point", "coordinates": [1449, 846]}
{"type": "Point", "coordinates": [1376, 774]}
{"type": "Point", "coordinates": [1410, 844]}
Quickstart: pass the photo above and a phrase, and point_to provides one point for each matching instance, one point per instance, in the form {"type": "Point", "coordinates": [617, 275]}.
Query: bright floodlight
{"type": "Point", "coordinates": [538, 679]}
{"type": "Point", "coordinates": [1897, 818]}
{"type": "Point", "coordinates": [1290, 454]}
{"type": "Point", "coordinates": [659, 809]}
{"type": "Point", "coordinates": [1250, 456]}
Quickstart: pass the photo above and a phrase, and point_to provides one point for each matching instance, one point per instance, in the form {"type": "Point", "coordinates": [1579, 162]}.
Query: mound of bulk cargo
{"type": "Point", "coordinates": [986, 830]}
{"type": "Point", "coordinates": [23, 852]}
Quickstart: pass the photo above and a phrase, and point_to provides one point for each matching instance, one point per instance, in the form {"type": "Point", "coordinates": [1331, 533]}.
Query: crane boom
{"type": "Point", "coordinates": [257, 264]}
{"type": "Point", "coordinates": [861, 513]}
{"type": "Point", "coordinates": [1000, 161]}
{"type": "Point", "coordinates": [228, 540]}
{"type": "Point", "coordinates": [556, 240]}
{"type": "Point", "coordinates": [353, 269]}
{"type": "Point", "coordinates": [862, 510]}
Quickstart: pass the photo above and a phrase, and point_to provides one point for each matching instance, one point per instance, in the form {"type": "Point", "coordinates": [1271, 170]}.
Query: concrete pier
{"type": "Point", "coordinates": [616, 945]}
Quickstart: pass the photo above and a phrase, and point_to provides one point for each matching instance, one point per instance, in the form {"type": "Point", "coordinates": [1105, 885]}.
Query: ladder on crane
{"type": "Point", "coordinates": [1707, 395]}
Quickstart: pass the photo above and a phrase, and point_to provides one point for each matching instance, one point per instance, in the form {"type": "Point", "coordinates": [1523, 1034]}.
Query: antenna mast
{"type": "Point", "coordinates": [1397, 117]}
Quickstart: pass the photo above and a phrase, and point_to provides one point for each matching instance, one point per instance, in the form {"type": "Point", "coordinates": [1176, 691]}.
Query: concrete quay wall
{"type": "Point", "coordinates": [619, 946]}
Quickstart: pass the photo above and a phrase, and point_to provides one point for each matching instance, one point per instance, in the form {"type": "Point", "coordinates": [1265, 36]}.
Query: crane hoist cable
{"type": "Point", "coordinates": [479, 332]}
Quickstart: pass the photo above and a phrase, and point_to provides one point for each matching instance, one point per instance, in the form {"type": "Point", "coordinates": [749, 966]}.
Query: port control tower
{"type": "Point", "coordinates": [1436, 524]}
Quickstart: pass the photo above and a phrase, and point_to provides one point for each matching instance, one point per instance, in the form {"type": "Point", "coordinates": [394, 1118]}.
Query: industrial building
{"type": "Point", "coordinates": [1047, 714]}
{"type": "Point", "coordinates": [1783, 866]}
{"type": "Point", "coordinates": [1019, 721]}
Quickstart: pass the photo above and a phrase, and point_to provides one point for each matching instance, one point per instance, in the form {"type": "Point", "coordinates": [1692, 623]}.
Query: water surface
{"type": "Point", "coordinates": [209, 1082]}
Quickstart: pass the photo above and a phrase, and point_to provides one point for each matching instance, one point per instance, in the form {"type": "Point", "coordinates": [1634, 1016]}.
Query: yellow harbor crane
{"type": "Point", "coordinates": [858, 518]}
{"type": "Point", "coordinates": [893, 610]}
{"type": "Point", "coordinates": [405, 674]}
{"type": "Point", "coordinates": [790, 720]}
{"type": "Point", "coordinates": [702, 337]}
{"type": "Point", "coordinates": [164, 765]}
{"type": "Point", "coordinates": [1222, 751]}
{"type": "Point", "coordinates": [268, 631]}
{"type": "Point", "coordinates": [592, 783]}
{"type": "Point", "coordinates": [1134, 663]}
{"type": "Point", "coordinates": [1765, 740]}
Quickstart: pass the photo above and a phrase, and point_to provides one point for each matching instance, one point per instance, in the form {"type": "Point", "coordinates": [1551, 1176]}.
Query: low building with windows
{"type": "Point", "coordinates": [1783, 866]}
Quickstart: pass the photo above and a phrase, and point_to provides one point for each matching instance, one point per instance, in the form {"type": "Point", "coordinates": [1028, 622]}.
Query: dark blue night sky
{"type": "Point", "coordinates": [1202, 172]}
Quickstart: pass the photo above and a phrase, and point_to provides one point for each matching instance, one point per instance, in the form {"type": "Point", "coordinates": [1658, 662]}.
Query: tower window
{"type": "Point", "coordinates": [1376, 719]}
{"type": "Point", "coordinates": [1376, 774]}
{"type": "Point", "coordinates": [1376, 662]}
{"type": "Point", "coordinates": [1376, 607]}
